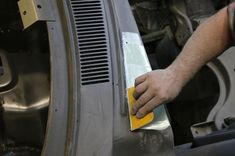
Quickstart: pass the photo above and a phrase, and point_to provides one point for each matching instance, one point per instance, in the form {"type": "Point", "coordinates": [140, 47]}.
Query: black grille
{"type": "Point", "coordinates": [92, 40]}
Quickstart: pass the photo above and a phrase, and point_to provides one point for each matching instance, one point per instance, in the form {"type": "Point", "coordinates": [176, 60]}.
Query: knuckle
{"type": "Point", "coordinates": [148, 76]}
{"type": "Point", "coordinates": [137, 104]}
{"type": "Point", "coordinates": [140, 79]}
{"type": "Point", "coordinates": [136, 81]}
{"type": "Point", "coordinates": [137, 90]}
{"type": "Point", "coordinates": [142, 111]}
{"type": "Point", "coordinates": [146, 109]}
{"type": "Point", "coordinates": [155, 88]}
{"type": "Point", "coordinates": [140, 101]}
{"type": "Point", "coordinates": [163, 96]}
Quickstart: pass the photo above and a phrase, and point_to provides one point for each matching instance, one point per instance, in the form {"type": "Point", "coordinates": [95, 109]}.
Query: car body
{"type": "Point", "coordinates": [66, 67]}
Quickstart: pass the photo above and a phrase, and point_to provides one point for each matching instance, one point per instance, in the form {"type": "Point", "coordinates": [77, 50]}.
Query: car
{"type": "Point", "coordinates": [66, 66]}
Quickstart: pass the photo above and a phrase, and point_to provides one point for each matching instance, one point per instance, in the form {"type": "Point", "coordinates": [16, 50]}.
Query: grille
{"type": "Point", "coordinates": [91, 32]}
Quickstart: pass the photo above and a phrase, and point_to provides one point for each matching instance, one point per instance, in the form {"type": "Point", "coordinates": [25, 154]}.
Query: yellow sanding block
{"type": "Point", "coordinates": [136, 123]}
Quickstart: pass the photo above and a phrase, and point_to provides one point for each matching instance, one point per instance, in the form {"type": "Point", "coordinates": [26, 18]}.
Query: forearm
{"type": "Point", "coordinates": [209, 40]}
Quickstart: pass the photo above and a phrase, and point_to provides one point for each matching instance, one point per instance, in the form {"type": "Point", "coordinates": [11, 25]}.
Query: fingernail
{"type": "Point", "coordinates": [139, 115]}
{"type": "Point", "coordinates": [133, 111]}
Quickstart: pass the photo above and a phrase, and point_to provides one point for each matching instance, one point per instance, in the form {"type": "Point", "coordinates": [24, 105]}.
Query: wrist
{"type": "Point", "coordinates": [181, 76]}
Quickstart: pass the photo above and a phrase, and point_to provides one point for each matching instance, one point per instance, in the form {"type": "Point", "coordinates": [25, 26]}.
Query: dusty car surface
{"type": "Point", "coordinates": [66, 65]}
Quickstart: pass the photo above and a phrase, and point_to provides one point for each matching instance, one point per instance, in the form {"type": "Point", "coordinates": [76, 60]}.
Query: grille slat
{"type": "Point", "coordinates": [92, 39]}
{"type": "Point", "coordinates": [86, 36]}
{"type": "Point", "coordinates": [98, 77]}
{"type": "Point", "coordinates": [83, 1]}
{"type": "Point", "coordinates": [88, 8]}
{"type": "Point", "coordinates": [90, 70]}
{"type": "Point", "coordinates": [94, 61]}
{"type": "Point", "coordinates": [93, 54]}
{"type": "Point", "coordinates": [77, 11]}
{"type": "Point", "coordinates": [96, 81]}
{"type": "Point", "coordinates": [92, 43]}
{"type": "Point", "coordinates": [94, 32]}
{"type": "Point", "coordinates": [90, 25]}
{"type": "Point", "coordinates": [88, 18]}
{"type": "Point", "coordinates": [94, 74]}
{"type": "Point", "coordinates": [79, 5]}
{"type": "Point", "coordinates": [94, 58]}
{"type": "Point", "coordinates": [94, 66]}
{"type": "Point", "coordinates": [90, 28]}
{"type": "Point", "coordinates": [87, 22]}
{"type": "Point", "coordinates": [92, 50]}
{"type": "Point", "coordinates": [88, 14]}
{"type": "Point", "coordinates": [92, 47]}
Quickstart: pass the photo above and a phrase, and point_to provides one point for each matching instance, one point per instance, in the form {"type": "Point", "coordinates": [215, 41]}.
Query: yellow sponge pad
{"type": "Point", "coordinates": [136, 123]}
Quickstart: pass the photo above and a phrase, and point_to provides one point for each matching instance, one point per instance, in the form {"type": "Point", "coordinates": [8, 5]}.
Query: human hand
{"type": "Point", "coordinates": [155, 88]}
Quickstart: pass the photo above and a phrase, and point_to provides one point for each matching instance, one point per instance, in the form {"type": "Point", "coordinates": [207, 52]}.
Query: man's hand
{"type": "Point", "coordinates": [155, 88]}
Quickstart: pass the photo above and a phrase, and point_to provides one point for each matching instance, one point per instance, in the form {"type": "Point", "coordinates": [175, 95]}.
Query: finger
{"type": "Point", "coordinates": [140, 79]}
{"type": "Point", "coordinates": [140, 89]}
{"type": "Point", "coordinates": [148, 107]}
{"type": "Point", "coordinates": [142, 100]}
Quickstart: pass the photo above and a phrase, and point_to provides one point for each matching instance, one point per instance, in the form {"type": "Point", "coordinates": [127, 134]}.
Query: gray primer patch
{"type": "Point", "coordinates": [137, 63]}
